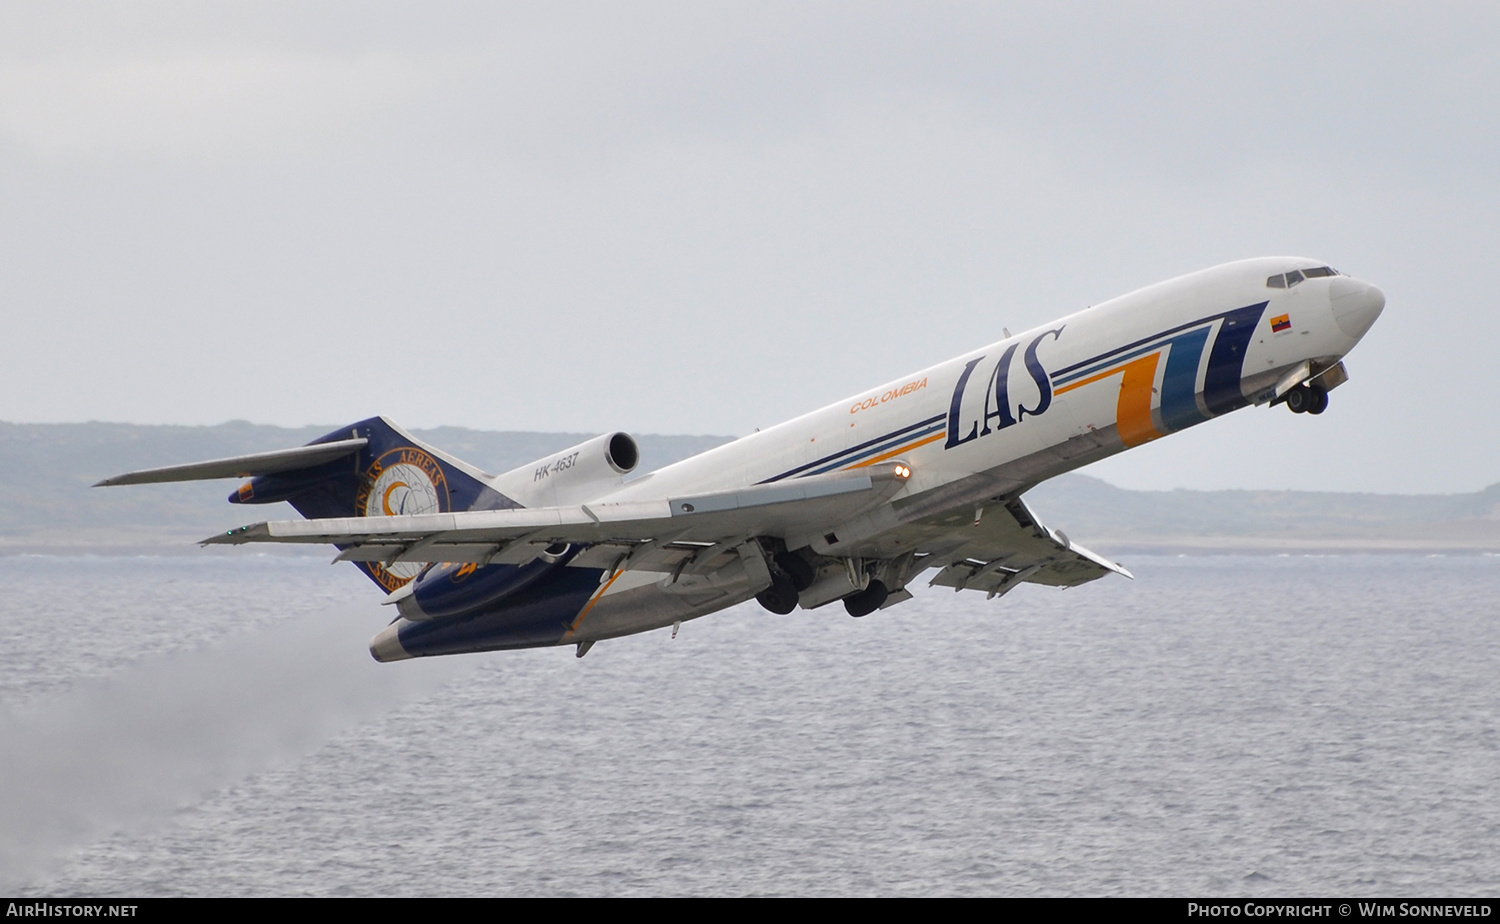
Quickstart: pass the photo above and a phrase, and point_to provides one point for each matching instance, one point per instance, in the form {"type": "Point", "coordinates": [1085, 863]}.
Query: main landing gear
{"type": "Point", "coordinates": [1305, 399]}
{"type": "Point", "coordinates": [790, 576]}
{"type": "Point", "coordinates": [866, 601]}
{"type": "Point", "coordinates": [781, 597]}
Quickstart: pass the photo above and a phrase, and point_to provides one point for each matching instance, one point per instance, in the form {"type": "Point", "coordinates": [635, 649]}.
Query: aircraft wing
{"type": "Point", "coordinates": [643, 530]}
{"type": "Point", "coordinates": [1007, 546]}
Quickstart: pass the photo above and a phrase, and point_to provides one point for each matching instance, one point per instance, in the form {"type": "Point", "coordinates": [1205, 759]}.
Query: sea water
{"type": "Point", "coordinates": [1221, 725]}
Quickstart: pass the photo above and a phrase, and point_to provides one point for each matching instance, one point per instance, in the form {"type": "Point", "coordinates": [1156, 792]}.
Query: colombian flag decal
{"type": "Point", "coordinates": [1280, 323]}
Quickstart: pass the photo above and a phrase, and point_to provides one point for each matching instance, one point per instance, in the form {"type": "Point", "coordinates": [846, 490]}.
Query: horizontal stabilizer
{"type": "Point", "coordinates": [258, 463]}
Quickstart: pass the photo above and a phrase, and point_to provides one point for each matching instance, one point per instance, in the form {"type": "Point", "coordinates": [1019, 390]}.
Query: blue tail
{"type": "Point", "coordinates": [394, 473]}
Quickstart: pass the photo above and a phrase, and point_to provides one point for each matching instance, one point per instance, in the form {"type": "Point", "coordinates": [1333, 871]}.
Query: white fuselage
{"type": "Point", "coordinates": [1092, 406]}
{"type": "Point", "coordinates": [976, 431]}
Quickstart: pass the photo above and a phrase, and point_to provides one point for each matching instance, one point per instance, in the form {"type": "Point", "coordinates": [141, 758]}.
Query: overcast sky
{"type": "Point", "coordinates": [701, 218]}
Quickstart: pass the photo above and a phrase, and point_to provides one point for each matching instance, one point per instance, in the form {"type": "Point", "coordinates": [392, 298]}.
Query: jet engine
{"type": "Point", "coordinates": [442, 591]}
{"type": "Point", "coordinates": [575, 475]}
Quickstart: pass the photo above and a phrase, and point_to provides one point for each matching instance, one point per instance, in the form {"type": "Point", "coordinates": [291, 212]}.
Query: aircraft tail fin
{"type": "Point", "coordinates": [369, 468]}
{"type": "Point", "coordinates": [384, 472]}
{"type": "Point", "coordinates": [381, 471]}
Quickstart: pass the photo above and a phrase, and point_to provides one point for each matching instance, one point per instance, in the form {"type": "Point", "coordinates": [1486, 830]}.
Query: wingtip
{"type": "Point", "coordinates": [236, 536]}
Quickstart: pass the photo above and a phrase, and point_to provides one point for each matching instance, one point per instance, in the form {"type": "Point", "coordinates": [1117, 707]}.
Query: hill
{"type": "Point", "coordinates": [46, 470]}
{"type": "Point", "coordinates": [46, 503]}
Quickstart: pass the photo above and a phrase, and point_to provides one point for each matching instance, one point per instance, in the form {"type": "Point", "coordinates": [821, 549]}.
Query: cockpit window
{"type": "Point", "coordinates": [1287, 280]}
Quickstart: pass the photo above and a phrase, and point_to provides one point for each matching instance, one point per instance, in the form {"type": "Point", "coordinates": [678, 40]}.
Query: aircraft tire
{"type": "Point", "coordinates": [1319, 401]}
{"type": "Point", "coordinates": [781, 597]}
{"type": "Point", "coordinates": [866, 601]}
{"type": "Point", "coordinates": [797, 568]}
{"type": "Point", "coordinates": [1299, 399]}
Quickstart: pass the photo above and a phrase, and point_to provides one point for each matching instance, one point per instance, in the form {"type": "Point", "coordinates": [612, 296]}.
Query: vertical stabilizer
{"type": "Point", "coordinates": [394, 473]}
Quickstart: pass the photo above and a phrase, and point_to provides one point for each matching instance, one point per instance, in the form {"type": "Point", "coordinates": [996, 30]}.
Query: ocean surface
{"type": "Point", "coordinates": [1220, 726]}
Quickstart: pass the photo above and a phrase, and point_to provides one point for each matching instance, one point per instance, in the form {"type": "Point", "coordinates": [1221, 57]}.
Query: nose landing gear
{"type": "Point", "coordinates": [1305, 399]}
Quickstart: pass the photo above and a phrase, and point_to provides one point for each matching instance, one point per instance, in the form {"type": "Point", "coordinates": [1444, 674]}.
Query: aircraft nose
{"type": "Point", "coordinates": [1355, 304]}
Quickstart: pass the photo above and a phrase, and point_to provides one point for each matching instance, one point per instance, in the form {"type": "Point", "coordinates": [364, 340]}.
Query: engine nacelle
{"type": "Point", "coordinates": [460, 589]}
{"type": "Point", "coordinates": [574, 476]}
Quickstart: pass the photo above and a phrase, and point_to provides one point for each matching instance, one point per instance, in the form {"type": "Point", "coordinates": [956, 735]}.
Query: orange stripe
{"type": "Point", "coordinates": [1133, 414]}
{"type": "Point", "coordinates": [579, 621]}
{"type": "Point", "coordinates": [1089, 381]}
{"type": "Point", "coordinates": [896, 452]}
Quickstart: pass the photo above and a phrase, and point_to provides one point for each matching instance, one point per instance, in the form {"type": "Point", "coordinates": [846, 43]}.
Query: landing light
{"type": "Point", "coordinates": [902, 471]}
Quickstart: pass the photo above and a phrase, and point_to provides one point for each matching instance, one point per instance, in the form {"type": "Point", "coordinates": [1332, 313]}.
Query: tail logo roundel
{"type": "Point", "coordinates": [402, 482]}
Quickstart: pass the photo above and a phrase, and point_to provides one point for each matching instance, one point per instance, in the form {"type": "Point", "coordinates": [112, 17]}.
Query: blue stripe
{"type": "Point", "coordinates": [1060, 380]}
{"type": "Point", "coordinates": [877, 450]}
{"type": "Point", "coordinates": [1179, 383]}
{"type": "Point", "coordinates": [1226, 361]}
{"type": "Point", "coordinates": [834, 460]}
{"type": "Point", "coordinates": [1102, 357]}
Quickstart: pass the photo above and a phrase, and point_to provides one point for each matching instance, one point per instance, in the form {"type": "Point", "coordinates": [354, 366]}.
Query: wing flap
{"type": "Point", "coordinates": [1010, 546]}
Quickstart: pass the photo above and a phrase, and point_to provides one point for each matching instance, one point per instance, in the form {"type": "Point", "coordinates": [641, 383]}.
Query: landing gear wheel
{"type": "Point", "coordinates": [781, 597]}
{"type": "Point", "coordinates": [1319, 401]}
{"type": "Point", "coordinates": [797, 568]}
{"type": "Point", "coordinates": [866, 601]}
{"type": "Point", "coordinates": [1299, 400]}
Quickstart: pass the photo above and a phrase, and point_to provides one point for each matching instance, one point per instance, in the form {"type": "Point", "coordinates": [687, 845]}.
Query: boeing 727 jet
{"type": "Point", "coordinates": [850, 503]}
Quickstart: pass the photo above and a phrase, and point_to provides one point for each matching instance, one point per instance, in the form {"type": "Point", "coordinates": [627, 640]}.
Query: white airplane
{"type": "Point", "coordinates": [851, 502]}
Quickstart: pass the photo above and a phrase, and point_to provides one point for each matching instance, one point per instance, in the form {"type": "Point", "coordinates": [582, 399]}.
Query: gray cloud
{"type": "Point", "coordinates": [706, 218]}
